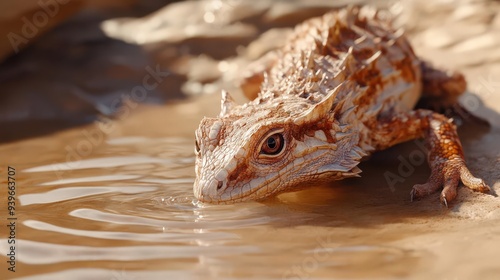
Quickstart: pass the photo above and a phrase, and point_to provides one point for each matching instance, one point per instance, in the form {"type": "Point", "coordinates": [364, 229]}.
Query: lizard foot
{"type": "Point", "coordinates": [448, 175]}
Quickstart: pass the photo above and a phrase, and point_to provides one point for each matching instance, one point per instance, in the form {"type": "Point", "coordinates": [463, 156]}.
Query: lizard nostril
{"type": "Point", "coordinates": [219, 185]}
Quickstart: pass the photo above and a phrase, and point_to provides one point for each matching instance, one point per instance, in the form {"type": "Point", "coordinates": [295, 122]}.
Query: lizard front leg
{"type": "Point", "coordinates": [445, 154]}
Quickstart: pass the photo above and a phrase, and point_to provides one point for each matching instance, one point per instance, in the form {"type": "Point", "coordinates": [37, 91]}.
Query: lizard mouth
{"type": "Point", "coordinates": [238, 194]}
{"type": "Point", "coordinates": [271, 188]}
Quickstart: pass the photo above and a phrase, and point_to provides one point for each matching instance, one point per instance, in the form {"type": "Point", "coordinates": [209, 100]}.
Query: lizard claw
{"type": "Point", "coordinates": [413, 195]}
{"type": "Point", "coordinates": [473, 183]}
{"type": "Point", "coordinates": [444, 201]}
{"type": "Point", "coordinates": [448, 175]}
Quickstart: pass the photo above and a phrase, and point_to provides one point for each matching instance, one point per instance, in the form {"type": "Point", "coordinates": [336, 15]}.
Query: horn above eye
{"type": "Point", "coordinates": [227, 103]}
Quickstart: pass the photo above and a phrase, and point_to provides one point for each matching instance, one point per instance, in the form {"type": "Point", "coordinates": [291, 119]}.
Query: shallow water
{"type": "Point", "coordinates": [120, 206]}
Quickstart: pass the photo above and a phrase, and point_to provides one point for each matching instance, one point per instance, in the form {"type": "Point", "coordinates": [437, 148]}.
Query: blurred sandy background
{"type": "Point", "coordinates": [73, 60]}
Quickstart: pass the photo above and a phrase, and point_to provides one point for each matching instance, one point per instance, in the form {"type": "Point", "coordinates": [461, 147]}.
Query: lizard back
{"type": "Point", "coordinates": [356, 48]}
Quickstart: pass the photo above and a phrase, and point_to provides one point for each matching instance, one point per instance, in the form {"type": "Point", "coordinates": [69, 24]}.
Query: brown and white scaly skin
{"type": "Point", "coordinates": [343, 86]}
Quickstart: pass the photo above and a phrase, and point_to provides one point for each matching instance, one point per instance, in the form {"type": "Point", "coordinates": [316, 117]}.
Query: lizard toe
{"type": "Point", "coordinates": [473, 183]}
{"type": "Point", "coordinates": [448, 175]}
{"type": "Point", "coordinates": [422, 190]}
{"type": "Point", "coordinates": [449, 192]}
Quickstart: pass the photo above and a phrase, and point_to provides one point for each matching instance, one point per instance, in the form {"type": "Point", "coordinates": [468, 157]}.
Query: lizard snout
{"type": "Point", "coordinates": [210, 190]}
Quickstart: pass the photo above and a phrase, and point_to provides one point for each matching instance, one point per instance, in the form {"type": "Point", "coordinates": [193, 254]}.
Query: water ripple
{"type": "Point", "coordinates": [114, 177]}
{"type": "Point", "coordinates": [107, 162]}
{"type": "Point", "coordinates": [33, 252]}
{"type": "Point", "coordinates": [194, 221]}
{"type": "Point", "coordinates": [107, 274]}
{"type": "Point", "coordinates": [68, 193]}
{"type": "Point", "coordinates": [185, 237]}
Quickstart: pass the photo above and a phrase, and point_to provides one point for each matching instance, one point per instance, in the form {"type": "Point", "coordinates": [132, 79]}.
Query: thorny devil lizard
{"type": "Point", "coordinates": [344, 85]}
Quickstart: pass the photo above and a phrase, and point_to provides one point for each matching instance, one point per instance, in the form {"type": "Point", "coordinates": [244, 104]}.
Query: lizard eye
{"type": "Point", "coordinates": [273, 145]}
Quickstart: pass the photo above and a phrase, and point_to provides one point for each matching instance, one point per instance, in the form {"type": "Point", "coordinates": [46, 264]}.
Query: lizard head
{"type": "Point", "coordinates": [262, 148]}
